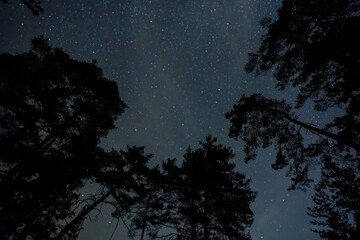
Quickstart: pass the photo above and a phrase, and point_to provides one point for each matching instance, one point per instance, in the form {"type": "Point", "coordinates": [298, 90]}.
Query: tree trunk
{"type": "Point", "coordinates": [145, 215]}
{"type": "Point", "coordinates": [80, 216]}
{"type": "Point", "coordinates": [206, 221]}
{"type": "Point", "coordinates": [193, 221]}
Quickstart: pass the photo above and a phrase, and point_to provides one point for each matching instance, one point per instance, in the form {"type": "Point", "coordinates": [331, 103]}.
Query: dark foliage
{"type": "Point", "coordinates": [208, 198]}
{"type": "Point", "coordinates": [260, 122]}
{"type": "Point", "coordinates": [33, 5]}
{"type": "Point", "coordinates": [314, 47]}
{"type": "Point", "coordinates": [144, 201]}
{"type": "Point", "coordinates": [53, 112]}
{"type": "Point", "coordinates": [337, 200]}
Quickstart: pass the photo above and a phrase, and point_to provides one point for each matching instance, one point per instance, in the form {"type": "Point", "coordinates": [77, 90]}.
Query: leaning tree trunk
{"type": "Point", "coordinates": [80, 217]}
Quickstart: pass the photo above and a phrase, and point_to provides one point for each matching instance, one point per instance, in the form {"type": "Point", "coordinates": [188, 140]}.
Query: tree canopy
{"type": "Point", "coordinates": [313, 47]}
{"type": "Point", "coordinates": [33, 5]}
{"type": "Point", "coordinates": [336, 212]}
{"type": "Point", "coordinates": [54, 112]}
{"type": "Point", "coordinates": [208, 199]}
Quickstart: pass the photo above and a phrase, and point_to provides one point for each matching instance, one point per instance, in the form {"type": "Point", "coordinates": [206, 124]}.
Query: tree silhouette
{"type": "Point", "coordinates": [149, 197]}
{"type": "Point", "coordinates": [143, 203]}
{"type": "Point", "coordinates": [33, 5]}
{"type": "Point", "coordinates": [54, 111]}
{"type": "Point", "coordinates": [209, 199]}
{"type": "Point", "coordinates": [337, 200]}
{"type": "Point", "coordinates": [314, 48]}
{"type": "Point", "coordinates": [311, 46]}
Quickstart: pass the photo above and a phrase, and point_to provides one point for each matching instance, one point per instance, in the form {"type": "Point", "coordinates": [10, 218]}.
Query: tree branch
{"type": "Point", "coordinates": [319, 131]}
{"type": "Point", "coordinates": [81, 216]}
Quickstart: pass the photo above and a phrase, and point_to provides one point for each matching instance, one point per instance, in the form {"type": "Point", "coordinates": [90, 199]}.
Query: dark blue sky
{"type": "Point", "coordinates": [179, 66]}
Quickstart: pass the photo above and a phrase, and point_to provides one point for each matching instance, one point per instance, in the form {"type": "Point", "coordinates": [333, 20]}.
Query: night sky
{"type": "Point", "coordinates": [179, 67]}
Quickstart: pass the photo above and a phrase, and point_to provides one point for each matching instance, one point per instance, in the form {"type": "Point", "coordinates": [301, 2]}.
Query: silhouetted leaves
{"type": "Point", "coordinates": [144, 193]}
{"type": "Point", "coordinates": [208, 198]}
{"type": "Point", "coordinates": [337, 200]}
{"type": "Point", "coordinates": [312, 46]}
{"type": "Point", "coordinates": [54, 111]}
{"type": "Point", "coordinates": [33, 5]}
{"type": "Point", "coordinates": [313, 41]}
{"type": "Point", "coordinates": [261, 122]}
